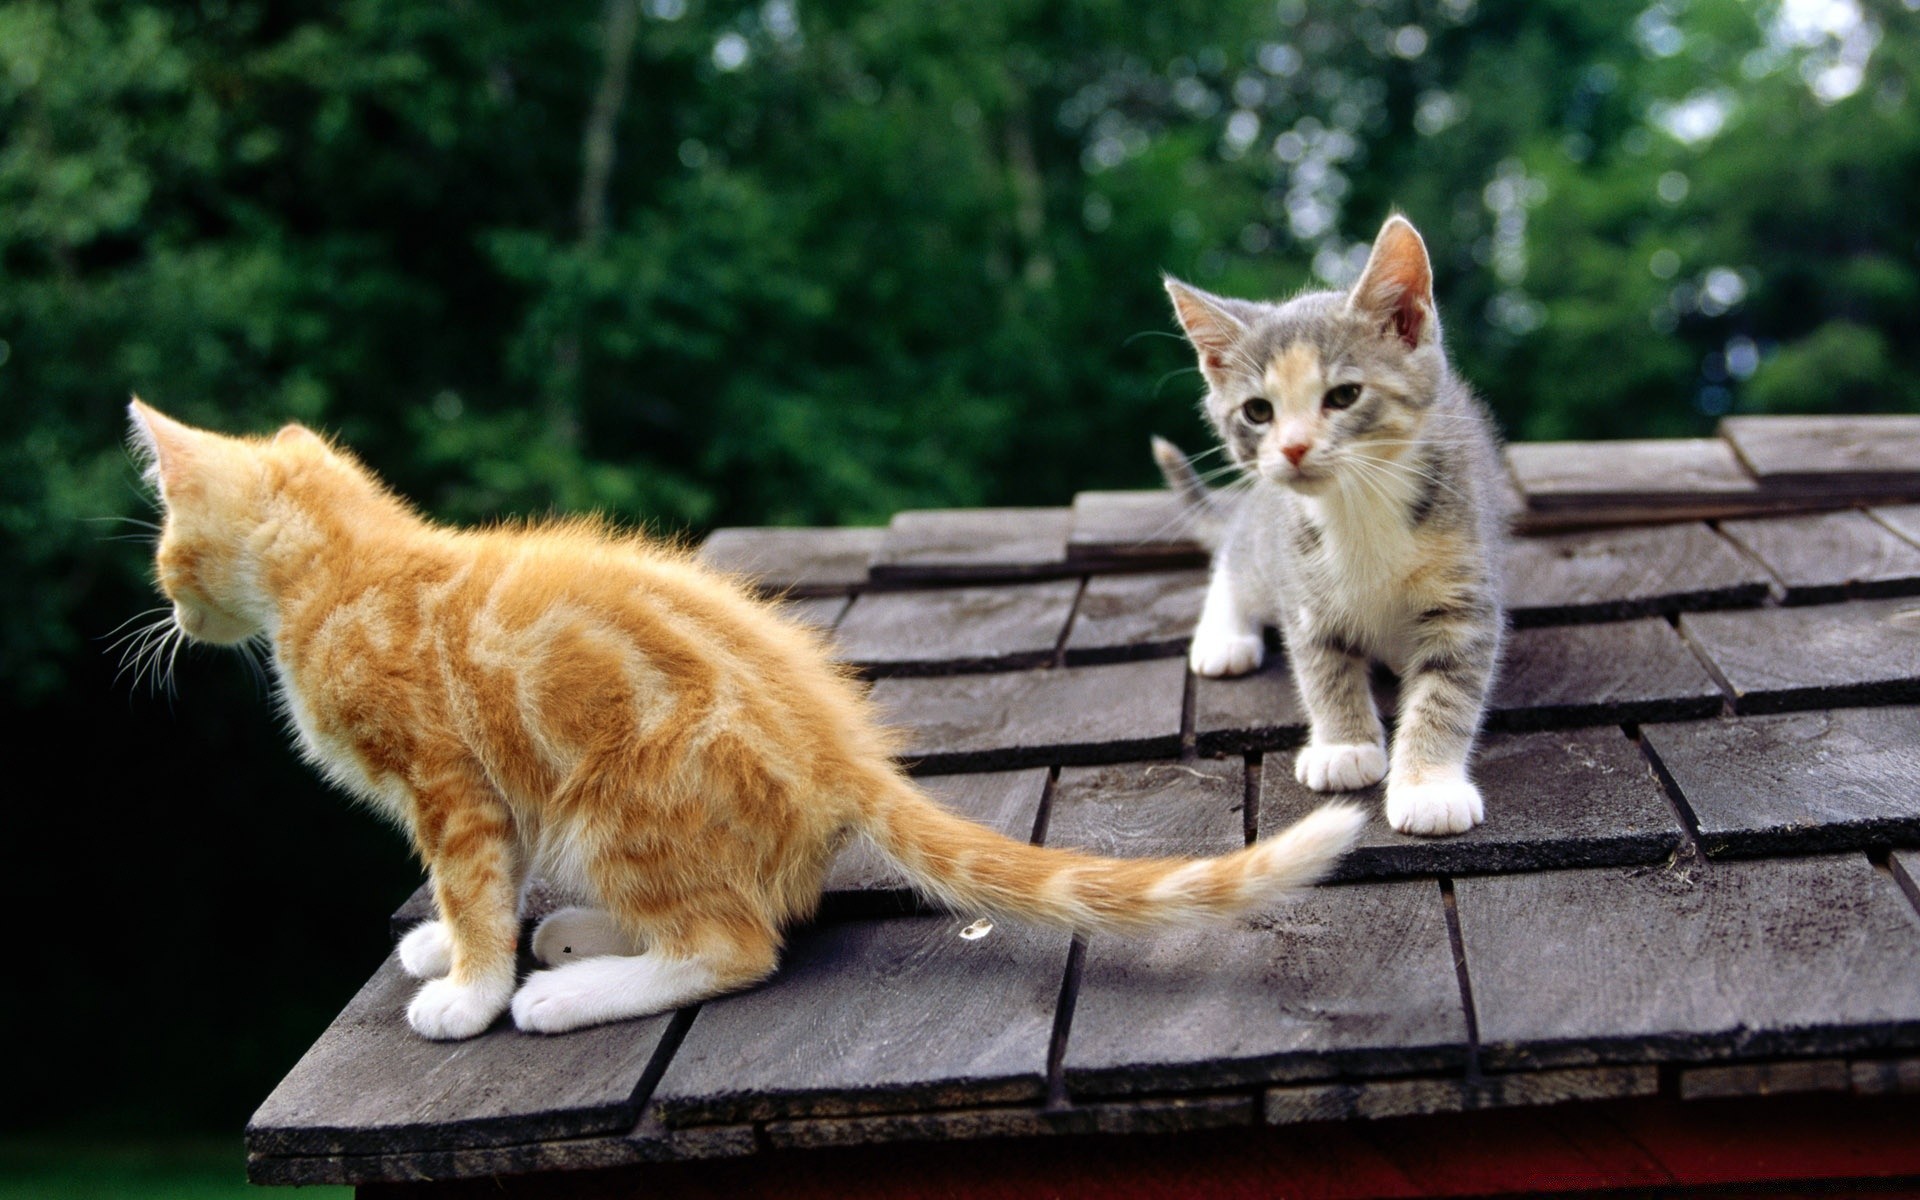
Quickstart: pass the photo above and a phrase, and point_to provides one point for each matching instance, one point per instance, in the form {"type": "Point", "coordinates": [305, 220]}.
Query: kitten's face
{"type": "Point", "coordinates": [211, 489]}
{"type": "Point", "coordinates": [1329, 387]}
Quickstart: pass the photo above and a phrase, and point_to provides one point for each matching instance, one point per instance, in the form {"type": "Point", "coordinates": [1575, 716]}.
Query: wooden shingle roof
{"type": "Point", "coordinates": [1698, 871]}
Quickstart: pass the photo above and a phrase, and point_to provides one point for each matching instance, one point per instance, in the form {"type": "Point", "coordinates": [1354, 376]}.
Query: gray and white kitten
{"type": "Point", "coordinates": [1369, 528]}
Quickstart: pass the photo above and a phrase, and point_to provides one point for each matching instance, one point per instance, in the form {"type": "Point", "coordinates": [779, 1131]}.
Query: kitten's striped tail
{"type": "Point", "coordinates": [1206, 509]}
{"type": "Point", "coordinates": [970, 868]}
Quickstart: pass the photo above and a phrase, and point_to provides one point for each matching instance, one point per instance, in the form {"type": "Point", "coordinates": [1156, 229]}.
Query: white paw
{"type": "Point", "coordinates": [557, 1001]}
{"type": "Point", "coordinates": [1431, 809]}
{"type": "Point", "coordinates": [427, 950]}
{"type": "Point", "coordinates": [1218, 653]}
{"type": "Point", "coordinates": [446, 1011]}
{"type": "Point", "coordinates": [571, 934]}
{"type": "Point", "coordinates": [1340, 768]}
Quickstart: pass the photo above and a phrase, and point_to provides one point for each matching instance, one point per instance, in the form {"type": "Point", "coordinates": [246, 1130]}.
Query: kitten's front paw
{"type": "Point", "coordinates": [1434, 809]}
{"type": "Point", "coordinates": [427, 950]}
{"type": "Point", "coordinates": [446, 1011]}
{"type": "Point", "coordinates": [1340, 768]}
{"type": "Point", "coordinates": [1219, 653]}
{"type": "Point", "coordinates": [571, 934]}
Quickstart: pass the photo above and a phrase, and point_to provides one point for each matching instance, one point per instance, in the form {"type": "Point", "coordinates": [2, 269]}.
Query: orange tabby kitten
{"type": "Point", "coordinates": [602, 710]}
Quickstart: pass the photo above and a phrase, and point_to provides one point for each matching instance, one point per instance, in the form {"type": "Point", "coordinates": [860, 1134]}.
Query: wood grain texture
{"type": "Point", "coordinates": [1261, 711]}
{"type": "Point", "coordinates": [371, 1085]}
{"type": "Point", "coordinates": [1803, 956]}
{"type": "Point", "coordinates": [1373, 1099]}
{"type": "Point", "coordinates": [948, 630]}
{"type": "Point", "coordinates": [1601, 674]}
{"type": "Point", "coordinates": [1829, 454]}
{"type": "Point", "coordinates": [1130, 528]}
{"type": "Point", "coordinates": [862, 881]}
{"type": "Point", "coordinates": [1584, 797]}
{"type": "Point", "coordinates": [1147, 810]}
{"type": "Point", "coordinates": [1351, 979]}
{"type": "Point", "coordinates": [1136, 616]}
{"type": "Point", "coordinates": [1830, 556]}
{"type": "Point", "coordinates": [875, 1016]}
{"type": "Point", "coordinates": [1765, 1078]}
{"type": "Point", "coordinates": [1622, 573]}
{"type": "Point", "coordinates": [794, 562]}
{"type": "Point", "coordinates": [1776, 659]}
{"type": "Point", "coordinates": [1839, 779]}
{"type": "Point", "coordinates": [1094, 714]}
{"type": "Point", "coordinates": [649, 1142]}
{"type": "Point", "coordinates": [977, 544]}
{"type": "Point", "coordinates": [1174, 1114]}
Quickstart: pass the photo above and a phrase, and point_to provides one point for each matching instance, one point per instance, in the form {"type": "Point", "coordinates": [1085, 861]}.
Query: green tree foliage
{"type": "Point", "coordinates": [696, 262]}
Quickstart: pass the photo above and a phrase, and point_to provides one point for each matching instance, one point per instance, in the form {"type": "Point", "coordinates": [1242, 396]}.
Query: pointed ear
{"type": "Point", "coordinates": [293, 432]}
{"type": "Point", "coordinates": [1212, 328]}
{"type": "Point", "coordinates": [1396, 287]}
{"type": "Point", "coordinates": [162, 446]}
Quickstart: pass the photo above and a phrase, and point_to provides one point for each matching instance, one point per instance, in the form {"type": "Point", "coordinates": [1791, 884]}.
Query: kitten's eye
{"type": "Point", "coordinates": [1342, 396]}
{"type": "Point", "coordinates": [1257, 411]}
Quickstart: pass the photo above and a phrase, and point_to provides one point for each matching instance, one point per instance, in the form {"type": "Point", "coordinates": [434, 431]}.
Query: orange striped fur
{"type": "Point", "coordinates": [598, 709]}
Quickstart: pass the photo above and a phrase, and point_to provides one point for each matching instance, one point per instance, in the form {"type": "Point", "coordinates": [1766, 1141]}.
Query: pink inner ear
{"type": "Point", "coordinates": [1409, 318]}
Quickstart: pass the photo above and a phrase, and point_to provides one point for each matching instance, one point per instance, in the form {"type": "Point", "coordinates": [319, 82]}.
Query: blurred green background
{"type": "Point", "coordinates": [700, 263]}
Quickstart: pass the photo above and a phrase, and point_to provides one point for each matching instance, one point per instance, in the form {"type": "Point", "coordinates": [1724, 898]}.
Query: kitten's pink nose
{"type": "Point", "coordinates": [1295, 452]}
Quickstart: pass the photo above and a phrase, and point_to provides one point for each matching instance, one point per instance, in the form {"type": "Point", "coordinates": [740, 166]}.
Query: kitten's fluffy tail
{"type": "Point", "coordinates": [1206, 509]}
{"type": "Point", "coordinates": [973, 869]}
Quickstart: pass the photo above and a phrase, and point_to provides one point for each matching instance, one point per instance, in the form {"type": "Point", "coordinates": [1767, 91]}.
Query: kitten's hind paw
{"type": "Point", "coordinates": [571, 934]}
{"type": "Point", "coordinates": [1218, 654]}
{"type": "Point", "coordinates": [1338, 767]}
{"type": "Point", "coordinates": [426, 952]}
{"type": "Point", "coordinates": [1434, 809]}
{"type": "Point", "coordinates": [446, 1011]}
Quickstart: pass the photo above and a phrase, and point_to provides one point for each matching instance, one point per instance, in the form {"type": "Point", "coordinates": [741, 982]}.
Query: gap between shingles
{"type": "Point", "coordinates": [1063, 1023]}
{"type": "Point", "coordinates": [1459, 945]}
{"type": "Point", "coordinates": [1045, 814]}
{"type": "Point", "coordinates": [1777, 588]}
{"type": "Point", "coordinates": [1059, 658]}
{"type": "Point", "coordinates": [663, 1053]}
{"type": "Point", "coordinates": [1728, 697]}
{"type": "Point", "coordinates": [1885, 861]}
{"type": "Point", "coordinates": [1189, 738]}
{"type": "Point", "coordinates": [1250, 807]}
{"type": "Point", "coordinates": [1689, 850]}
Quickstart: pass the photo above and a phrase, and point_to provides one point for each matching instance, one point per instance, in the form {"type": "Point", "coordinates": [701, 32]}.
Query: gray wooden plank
{"type": "Point", "coordinates": [977, 544]}
{"type": "Point", "coordinates": [817, 612]}
{"type": "Point", "coordinates": [1148, 810]}
{"type": "Point", "coordinates": [794, 562]}
{"type": "Point", "coordinates": [1830, 556]}
{"type": "Point", "coordinates": [862, 881]}
{"type": "Point", "coordinates": [1621, 573]}
{"type": "Point", "coordinates": [1355, 979]}
{"type": "Point", "coordinates": [875, 1016]}
{"type": "Point", "coordinates": [1776, 659]}
{"type": "Point", "coordinates": [649, 1142]}
{"type": "Point", "coordinates": [1171, 1114]}
{"type": "Point", "coordinates": [1132, 527]}
{"type": "Point", "coordinates": [1831, 455]}
{"type": "Point", "coordinates": [1839, 779]}
{"type": "Point", "coordinates": [948, 630]}
{"type": "Point", "coordinates": [370, 1085]}
{"type": "Point", "coordinates": [1094, 714]}
{"type": "Point", "coordinates": [1136, 616]}
{"type": "Point", "coordinates": [1583, 797]}
{"type": "Point", "coordinates": [1261, 711]}
{"type": "Point", "coordinates": [1600, 674]}
{"type": "Point", "coordinates": [1646, 475]}
{"type": "Point", "coordinates": [1696, 961]}
{"type": "Point", "coordinates": [1765, 1078]}
{"type": "Point", "coordinates": [1373, 1099]}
